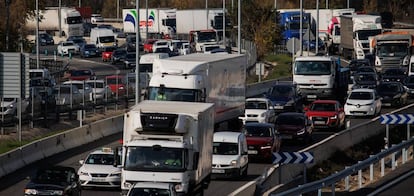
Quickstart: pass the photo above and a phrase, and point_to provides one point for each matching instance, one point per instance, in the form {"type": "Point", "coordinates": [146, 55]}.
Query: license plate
{"type": "Point", "coordinates": [279, 107]}
{"type": "Point", "coordinates": [218, 171]}
{"type": "Point", "coordinates": [311, 96]}
{"type": "Point", "coordinates": [386, 104]}
{"type": "Point", "coordinates": [319, 122]}
{"type": "Point", "coordinates": [98, 179]}
{"type": "Point", "coordinates": [252, 151]}
{"type": "Point", "coordinates": [286, 136]}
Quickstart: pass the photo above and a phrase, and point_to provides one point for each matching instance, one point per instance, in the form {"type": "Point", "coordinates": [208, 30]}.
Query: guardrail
{"type": "Point", "coordinates": [357, 168]}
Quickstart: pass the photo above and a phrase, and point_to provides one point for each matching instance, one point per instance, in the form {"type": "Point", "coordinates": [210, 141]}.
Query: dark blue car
{"type": "Point", "coordinates": [89, 50]}
{"type": "Point", "coordinates": [285, 97]}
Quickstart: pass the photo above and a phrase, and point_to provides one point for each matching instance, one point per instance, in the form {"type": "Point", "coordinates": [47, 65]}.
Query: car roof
{"type": "Point", "coordinates": [257, 99]}
{"type": "Point", "coordinates": [291, 114]}
{"type": "Point", "coordinates": [104, 150]}
{"type": "Point", "coordinates": [363, 90]}
{"type": "Point", "coordinates": [227, 136]}
{"type": "Point", "coordinates": [256, 124]}
{"type": "Point", "coordinates": [325, 101]}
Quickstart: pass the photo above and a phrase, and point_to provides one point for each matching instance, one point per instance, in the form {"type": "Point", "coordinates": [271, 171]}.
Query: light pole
{"type": "Point", "coordinates": [224, 23]}
{"type": "Point", "coordinates": [301, 28]}
{"type": "Point", "coordinates": [137, 35]}
{"type": "Point", "coordinates": [317, 27]}
{"type": "Point", "coordinates": [37, 35]}
{"type": "Point", "coordinates": [146, 19]}
{"type": "Point", "coordinates": [238, 26]}
{"type": "Point", "coordinates": [207, 14]}
{"type": "Point", "coordinates": [7, 2]}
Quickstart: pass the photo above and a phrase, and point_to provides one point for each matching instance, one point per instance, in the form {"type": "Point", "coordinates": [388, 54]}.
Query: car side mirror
{"type": "Point", "coordinates": [81, 162]}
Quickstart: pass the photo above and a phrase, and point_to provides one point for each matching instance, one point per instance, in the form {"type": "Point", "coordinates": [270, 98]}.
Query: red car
{"type": "Point", "coordinates": [118, 85]}
{"type": "Point", "coordinates": [262, 140]}
{"type": "Point", "coordinates": [80, 74]}
{"type": "Point", "coordinates": [107, 53]}
{"type": "Point", "coordinates": [326, 114]}
{"type": "Point", "coordinates": [148, 45]}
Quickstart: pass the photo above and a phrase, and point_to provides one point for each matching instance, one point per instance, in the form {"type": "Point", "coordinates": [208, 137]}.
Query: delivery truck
{"type": "Point", "coordinates": [355, 31]}
{"type": "Point", "coordinates": [198, 77]}
{"type": "Point", "coordinates": [164, 144]}
{"type": "Point", "coordinates": [197, 19]}
{"type": "Point", "coordinates": [160, 21]}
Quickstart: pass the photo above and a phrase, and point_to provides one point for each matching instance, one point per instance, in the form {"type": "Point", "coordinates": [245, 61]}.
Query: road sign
{"type": "Point", "coordinates": [293, 45]}
{"type": "Point", "coordinates": [397, 119]}
{"type": "Point", "coordinates": [292, 157]}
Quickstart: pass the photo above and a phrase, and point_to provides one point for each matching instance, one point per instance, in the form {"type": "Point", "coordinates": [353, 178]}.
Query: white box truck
{"type": "Point", "coordinates": [160, 20]}
{"type": "Point", "coordinates": [199, 77]}
{"type": "Point", "coordinates": [197, 19]}
{"type": "Point", "coordinates": [103, 37]}
{"type": "Point", "coordinates": [162, 143]}
{"type": "Point", "coordinates": [355, 31]}
{"type": "Point", "coordinates": [70, 22]}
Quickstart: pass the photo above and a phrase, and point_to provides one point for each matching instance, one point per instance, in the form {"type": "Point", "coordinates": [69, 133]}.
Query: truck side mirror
{"type": "Point", "coordinates": [116, 157]}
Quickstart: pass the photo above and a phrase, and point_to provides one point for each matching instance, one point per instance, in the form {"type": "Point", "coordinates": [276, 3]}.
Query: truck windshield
{"type": "Point", "coordinates": [155, 158]}
{"type": "Point", "coordinates": [174, 94]}
{"type": "Point", "coordinates": [74, 20]}
{"type": "Point", "coordinates": [207, 37]}
{"type": "Point", "coordinates": [364, 34]}
{"type": "Point", "coordinates": [107, 39]}
{"type": "Point", "coordinates": [296, 25]}
{"type": "Point", "coordinates": [393, 50]}
{"type": "Point", "coordinates": [312, 68]}
{"type": "Point", "coordinates": [225, 148]}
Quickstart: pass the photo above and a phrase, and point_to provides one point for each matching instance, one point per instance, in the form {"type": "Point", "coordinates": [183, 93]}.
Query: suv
{"type": "Point", "coordinates": [285, 96]}
{"type": "Point", "coordinates": [262, 140]}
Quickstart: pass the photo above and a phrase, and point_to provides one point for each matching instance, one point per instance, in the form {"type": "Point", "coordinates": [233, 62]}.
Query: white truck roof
{"type": "Point", "coordinates": [174, 107]}
{"type": "Point", "coordinates": [314, 58]}
{"type": "Point", "coordinates": [227, 136]}
{"type": "Point", "coordinates": [187, 63]}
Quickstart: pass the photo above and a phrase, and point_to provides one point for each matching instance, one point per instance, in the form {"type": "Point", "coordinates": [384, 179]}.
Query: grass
{"type": "Point", "coordinates": [281, 69]}
{"type": "Point", "coordinates": [358, 152]}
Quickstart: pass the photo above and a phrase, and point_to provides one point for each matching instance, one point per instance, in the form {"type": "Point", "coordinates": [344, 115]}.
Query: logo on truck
{"type": "Point", "coordinates": [131, 17]}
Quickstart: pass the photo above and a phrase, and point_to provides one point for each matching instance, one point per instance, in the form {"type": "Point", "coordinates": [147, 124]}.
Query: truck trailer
{"type": "Point", "coordinates": [70, 22]}
{"type": "Point", "coordinates": [197, 19]}
{"type": "Point", "coordinates": [160, 21]}
{"type": "Point", "coordinates": [168, 142]}
{"type": "Point", "coordinates": [199, 77]}
{"type": "Point", "coordinates": [355, 31]}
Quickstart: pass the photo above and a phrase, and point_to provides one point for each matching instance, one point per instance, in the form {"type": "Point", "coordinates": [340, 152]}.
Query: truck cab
{"type": "Point", "coordinates": [200, 38]}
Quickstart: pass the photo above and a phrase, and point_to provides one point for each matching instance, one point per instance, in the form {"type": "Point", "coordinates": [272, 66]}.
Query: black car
{"type": "Point", "coordinates": [130, 43]}
{"type": "Point", "coordinates": [356, 63]}
{"type": "Point", "coordinates": [366, 80]}
{"type": "Point", "coordinates": [46, 39]}
{"type": "Point", "coordinates": [118, 56]}
{"type": "Point", "coordinates": [394, 74]}
{"type": "Point", "coordinates": [393, 94]}
{"type": "Point", "coordinates": [294, 125]}
{"type": "Point", "coordinates": [54, 180]}
{"type": "Point", "coordinates": [285, 96]}
{"type": "Point", "coordinates": [130, 60]}
{"type": "Point", "coordinates": [409, 83]}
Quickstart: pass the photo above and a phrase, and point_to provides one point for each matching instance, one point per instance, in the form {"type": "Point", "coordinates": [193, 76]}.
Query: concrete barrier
{"type": "Point", "coordinates": [12, 161]}
{"type": "Point", "coordinates": [51, 145]}
{"type": "Point", "coordinates": [31, 152]}
{"type": "Point", "coordinates": [325, 149]}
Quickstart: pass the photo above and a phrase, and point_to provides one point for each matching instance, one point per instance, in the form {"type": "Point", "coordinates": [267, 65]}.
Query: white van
{"type": "Point", "coordinates": [146, 61]}
{"type": "Point", "coordinates": [102, 37]}
{"type": "Point", "coordinates": [230, 157]}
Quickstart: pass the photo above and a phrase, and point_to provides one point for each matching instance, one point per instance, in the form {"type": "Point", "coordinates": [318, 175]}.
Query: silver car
{"type": "Point", "coordinates": [67, 96]}
{"type": "Point", "coordinates": [83, 88]}
{"type": "Point", "coordinates": [100, 90]}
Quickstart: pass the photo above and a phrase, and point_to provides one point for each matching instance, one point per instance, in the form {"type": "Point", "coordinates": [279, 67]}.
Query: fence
{"type": "Point", "coordinates": [357, 168]}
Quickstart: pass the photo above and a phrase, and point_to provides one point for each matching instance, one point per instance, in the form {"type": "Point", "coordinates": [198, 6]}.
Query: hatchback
{"type": "Point", "coordinates": [293, 126]}
{"type": "Point", "coordinates": [262, 140]}
{"type": "Point", "coordinates": [393, 94]}
{"type": "Point", "coordinates": [363, 102]}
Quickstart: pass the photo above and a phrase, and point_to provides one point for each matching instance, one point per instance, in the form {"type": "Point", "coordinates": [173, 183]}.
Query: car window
{"type": "Point", "coordinates": [256, 105]}
{"type": "Point", "coordinates": [96, 84]}
{"type": "Point", "coordinates": [100, 159]}
{"type": "Point", "coordinates": [323, 107]}
{"type": "Point", "coordinates": [361, 95]}
{"type": "Point", "coordinates": [258, 131]}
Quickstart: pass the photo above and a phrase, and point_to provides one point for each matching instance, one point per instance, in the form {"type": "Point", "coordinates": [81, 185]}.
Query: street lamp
{"type": "Point", "coordinates": [137, 33]}
{"type": "Point", "coordinates": [7, 2]}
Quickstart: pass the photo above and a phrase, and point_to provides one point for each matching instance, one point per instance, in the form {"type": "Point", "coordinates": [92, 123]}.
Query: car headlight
{"type": "Point", "coordinates": [369, 103]}
{"type": "Point", "coordinates": [333, 117]}
{"type": "Point", "coordinates": [233, 163]}
{"type": "Point", "coordinates": [116, 174]}
{"type": "Point", "coordinates": [290, 103]}
{"type": "Point", "coordinates": [301, 132]}
{"type": "Point", "coordinates": [127, 185]}
{"type": "Point", "coordinates": [396, 96]}
{"type": "Point", "coordinates": [30, 191]}
{"type": "Point", "coordinates": [86, 52]}
{"type": "Point", "coordinates": [263, 115]}
{"type": "Point", "coordinates": [83, 173]}
{"type": "Point", "coordinates": [121, 88]}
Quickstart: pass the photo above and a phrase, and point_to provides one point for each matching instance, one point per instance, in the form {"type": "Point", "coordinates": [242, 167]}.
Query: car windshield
{"type": "Point", "coordinates": [120, 52]}
{"type": "Point", "coordinates": [225, 148]}
{"type": "Point", "coordinates": [281, 91]}
{"type": "Point", "coordinates": [107, 39]}
{"type": "Point", "coordinates": [52, 176]}
{"type": "Point", "coordinates": [67, 44]}
{"type": "Point", "coordinates": [323, 107]}
{"type": "Point", "coordinates": [100, 159]}
{"type": "Point", "coordinates": [361, 95]}
{"type": "Point", "coordinates": [96, 84]}
{"type": "Point", "coordinates": [256, 105]}
{"type": "Point", "coordinates": [90, 46]}
{"type": "Point", "coordinates": [258, 131]}
{"type": "Point", "coordinates": [114, 81]}
{"type": "Point", "coordinates": [365, 77]}
{"type": "Point", "coordinates": [131, 56]}
{"type": "Point", "coordinates": [109, 49]}
{"type": "Point", "coordinates": [290, 120]}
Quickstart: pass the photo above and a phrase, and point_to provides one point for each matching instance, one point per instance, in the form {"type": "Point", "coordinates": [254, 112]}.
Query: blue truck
{"type": "Point", "coordinates": [290, 24]}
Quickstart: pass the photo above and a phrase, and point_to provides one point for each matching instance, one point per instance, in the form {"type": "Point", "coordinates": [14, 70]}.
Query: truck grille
{"type": "Point", "coordinates": [393, 62]}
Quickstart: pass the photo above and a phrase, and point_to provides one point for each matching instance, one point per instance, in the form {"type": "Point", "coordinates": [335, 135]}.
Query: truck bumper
{"type": "Point", "coordinates": [313, 94]}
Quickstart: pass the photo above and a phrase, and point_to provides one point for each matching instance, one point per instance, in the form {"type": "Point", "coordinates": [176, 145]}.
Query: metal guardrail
{"type": "Point", "coordinates": [345, 174]}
